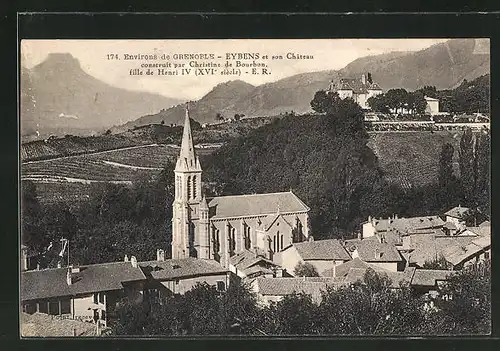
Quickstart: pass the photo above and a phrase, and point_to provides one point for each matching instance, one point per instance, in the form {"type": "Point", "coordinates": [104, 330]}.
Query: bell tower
{"type": "Point", "coordinates": [186, 206]}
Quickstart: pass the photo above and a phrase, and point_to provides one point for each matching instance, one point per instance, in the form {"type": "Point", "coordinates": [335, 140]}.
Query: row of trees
{"type": "Point", "coordinates": [468, 97]}
{"type": "Point", "coordinates": [370, 307]}
{"type": "Point", "coordinates": [395, 100]}
{"type": "Point", "coordinates": [472, 187]}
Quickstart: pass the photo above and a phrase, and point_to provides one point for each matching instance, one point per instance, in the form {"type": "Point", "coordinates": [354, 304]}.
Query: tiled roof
{"type": "Point", "coordinates": [255, 270]}
{"type": "Point", "coordinates": [46, 283]}
{"type": "Point", "coordinates": [180, 268]}
{"type": "Point", "coordinates": [428, 98]}
{"type": "Point", "coordinates": [374, 251]}
{"type": "Point", "coordinates": [457, 212]}
{"type": "Point", "coordinates": [407, 225]}
{"type": "Point", "coordinates": [330, 249]}
{"type": "Point", "coordinates": [429, 247]}
{"type": "Point", "coordinates": [44, 325]}
{"type": "Point", "coordinates": [287, 286]}
{"type": "Point", "coordinates": [457, 254]}
{"type": "Point", "coordinates": [428, 277]}
{"type": "Point", "coordinates": [357, 275]}
{"type": "Point", "coordinates": [482, 230]}
{"type": "Point", "coordinates": [485, 224]}
{"type": "Point", "coordinates": [374, 86]}
{"type": "Point", "coordinates": [255, 205]}
{"type": "Point", "coordinates": [342, 269]}
{"type": "Point", "coordinates": [271, 219]}
{"type": "Point", "coordinates": [246, 259]}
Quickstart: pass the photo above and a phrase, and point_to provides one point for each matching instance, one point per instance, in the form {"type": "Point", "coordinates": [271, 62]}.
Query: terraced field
{"type": "Point", "coordinates": [122, 166]}
{"type": "Point", "coordinates": [412, 158]}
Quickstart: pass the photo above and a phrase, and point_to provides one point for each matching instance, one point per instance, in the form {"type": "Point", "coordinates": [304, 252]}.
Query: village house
{"type": "Point", "coordinates": [87, 293]}
{"type": "Point", "coordinates": [167, 277]}
{"type": "Point", "coordinates": [270, 290]}
{"type": "Point", "coordinates": [432, 106]}
{"type": "Point", "coordinates": [248, 264]}
{"type": "Point", "coordinates": [377, 252]}
{"type": "Point", "coordinates": [473, 245]}
{"type": "Point", "coordinates": [324, 255]}
{"type": "Point", "coordinates": [360, 90]}
{"type": "Point", "coordinates": [403, 226]}
{"type": "Point", "coordinates": [457, 217]}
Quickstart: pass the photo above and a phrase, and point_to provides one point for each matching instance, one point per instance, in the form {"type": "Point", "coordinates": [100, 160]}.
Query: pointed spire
{"type": "Point", "coordinates": [204, 204]}
{"type": "Point", "coordinates": [187, 157]}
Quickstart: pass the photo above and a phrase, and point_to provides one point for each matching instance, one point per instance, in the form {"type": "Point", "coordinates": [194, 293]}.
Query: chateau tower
{"type": "Point", "coordinates": [188, 217]}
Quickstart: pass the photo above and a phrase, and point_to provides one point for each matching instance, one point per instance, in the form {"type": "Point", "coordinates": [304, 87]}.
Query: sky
{"type": "Point", "coordinates": [328, 54]}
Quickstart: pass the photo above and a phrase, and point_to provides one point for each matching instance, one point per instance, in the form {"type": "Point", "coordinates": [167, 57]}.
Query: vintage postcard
{"type": "Point", "coordinates": [272, 187]}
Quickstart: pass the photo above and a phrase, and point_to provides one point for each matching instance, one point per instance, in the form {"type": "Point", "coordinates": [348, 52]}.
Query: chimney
{"type": "Point", "coordinates": [360, 236]}
{"type": "Point", "coordinates": [75, 269]}
{"type": "Point", "coordinates": [363, 78]}
{"type": "Point", "coordinates": [396, 216]}
{"type": "Point", "coordinates": [59, 264]}
{"type": "Point", "coordinates": [125, 259]}
{"type": "Point", "coordinates": [133, 260]}
{"type": "Point", "coordinates": [38, 266]}
{"type": "Point", "coordinates": [311, 238]}
{"type": "Point", "coordinates": [279, 273]}
{"type": "Point", "coordinates": [68, 276]}
{"type": "Point", "coordinates": [160, 255]}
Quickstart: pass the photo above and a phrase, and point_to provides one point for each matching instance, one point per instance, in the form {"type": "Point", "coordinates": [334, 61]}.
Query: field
{"type": "Point", "coordinates": [412, 158]}
{"type": "Point", "coordinates": [123, 165]}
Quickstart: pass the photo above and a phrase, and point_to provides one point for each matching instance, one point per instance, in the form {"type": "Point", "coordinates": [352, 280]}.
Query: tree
{"type": "Point", "coordinates": [482, 166]}
{"type": "Point", "coordinates": [219, 116]}
{"type": "Point", "coordinates": [295, 314]}
{"type": "Point", "coordinates": [466, 163]}
{"type": "Point", "coordinates": [31, 233]}
{"type": "Point", "coordinates": [445, 175]}
{"type": "Point", "coordinates": [378, 103]}
{"type": "Point", "coordinates": [237, 117]}
{"type": "Point", "coordinates": [438, 263]}
{"type": "Point", "coordinates": [465, 301]}
{"type": "Point", "coordinates": [305, 269]}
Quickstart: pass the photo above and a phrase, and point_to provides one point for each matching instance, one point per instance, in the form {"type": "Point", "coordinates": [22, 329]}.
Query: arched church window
{"type": "Point", "coordinates": [281, 242]}
{"type": "Point", "coordinates": [248, 241]}
{"type": "Point", "coordinates": [233, 239]}
{"type": "Point", "coordinates": [194, 187]}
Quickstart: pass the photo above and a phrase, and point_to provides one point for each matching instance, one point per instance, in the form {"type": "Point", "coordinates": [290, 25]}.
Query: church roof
{"type": "Point", "coordinates": [255, 205]}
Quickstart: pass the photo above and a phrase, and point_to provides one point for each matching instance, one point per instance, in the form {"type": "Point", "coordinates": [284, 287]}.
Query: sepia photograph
{"type": "Point", "coordinates": [254, 187]}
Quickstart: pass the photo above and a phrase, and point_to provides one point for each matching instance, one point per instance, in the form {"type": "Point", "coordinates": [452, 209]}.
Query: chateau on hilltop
{"type": "Point", "coordinates": [360, 90]}
{"type": "Point", "coordinates": [224, 226]}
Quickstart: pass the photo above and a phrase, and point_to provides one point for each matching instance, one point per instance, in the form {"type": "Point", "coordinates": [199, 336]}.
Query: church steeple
{"type": "Point", "coordinates": [187, 158]}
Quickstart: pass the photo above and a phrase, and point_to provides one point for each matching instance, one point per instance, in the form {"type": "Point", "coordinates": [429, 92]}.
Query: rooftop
{"type": "Point", "coordinates": [407, 225]}
{"type": "Point", "coordinates": [246, 259]}
{"type": "Point", "coordinates": [181, 268]}
{"type": "Point", "coordinates": [287, 286]}
{"type": "Point", "coordinates": [429, 277]}
{"type": "Point", "coordinates": [255, 205]}
{"type": "Point", "coordinates": [46, 283]}
{"type": "Point", "coordinates": [375, 251]}
{"type": "Point", "coordinates": [458, 212]}
{"type": "Point", "coordinates": [330, 249]}
{"type": "Point", "coordinates": [342, 269]}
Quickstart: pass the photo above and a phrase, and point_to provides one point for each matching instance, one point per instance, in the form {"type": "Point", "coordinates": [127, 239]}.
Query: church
{"type": "Point", "coordinates": [221, 227]}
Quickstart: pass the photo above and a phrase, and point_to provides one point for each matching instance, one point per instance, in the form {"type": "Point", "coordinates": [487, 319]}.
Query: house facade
{"type": "Point", "coordinates": [220, 227]}
{"type": "Point", "coordinates": [324, 255]}
{"type": "Point", "coordinates": [360, 90]}
{"type": "Point", "coordinates": [86, 293]}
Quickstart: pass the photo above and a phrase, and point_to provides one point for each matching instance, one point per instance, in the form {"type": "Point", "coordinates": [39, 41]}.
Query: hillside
{"type": "Point", "coordinates": [443, 65]}
{"type": "Point", "coordinates": [59, 96]}
{"type": "Point", "coordinates": [204, 109]}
